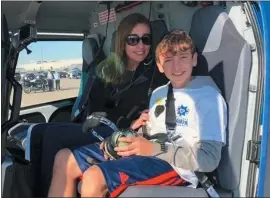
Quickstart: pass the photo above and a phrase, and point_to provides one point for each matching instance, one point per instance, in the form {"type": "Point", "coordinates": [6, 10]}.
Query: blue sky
{"type": "Point", "coordinates": [52, 50]}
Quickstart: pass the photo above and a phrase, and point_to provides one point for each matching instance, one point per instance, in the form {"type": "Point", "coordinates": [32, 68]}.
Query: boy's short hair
{"type": "Point", "coordinates": [174, 41]}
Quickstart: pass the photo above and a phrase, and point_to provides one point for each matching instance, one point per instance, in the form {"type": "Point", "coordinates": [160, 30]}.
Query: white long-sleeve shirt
{"type": "Point", "coordinates": [201, 121]}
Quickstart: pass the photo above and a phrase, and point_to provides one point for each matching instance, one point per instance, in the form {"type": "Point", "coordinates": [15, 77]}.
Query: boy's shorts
{"type": "Point", "coordinates": [128, 171]}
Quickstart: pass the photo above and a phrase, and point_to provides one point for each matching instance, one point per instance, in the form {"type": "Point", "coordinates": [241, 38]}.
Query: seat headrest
{"type": "Point", "coordinates": [214, 35]}
{"type": "Point", "coordinates": [159, 30]}
{"type": "Point", "coordinates": [89, 48]}
{"type": "Point", "coordinates": [207, 27]}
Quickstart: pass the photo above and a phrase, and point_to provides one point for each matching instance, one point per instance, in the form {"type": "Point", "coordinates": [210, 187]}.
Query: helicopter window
{"type": "Point", "coordinates": [51, 63]}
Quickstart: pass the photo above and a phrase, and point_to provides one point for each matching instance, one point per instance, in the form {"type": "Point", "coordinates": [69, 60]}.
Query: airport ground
{"type": "Point", "coordinates": [69, 89]}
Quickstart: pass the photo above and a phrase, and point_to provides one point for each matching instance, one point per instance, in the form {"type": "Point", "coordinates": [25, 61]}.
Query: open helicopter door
{"type": "Point", "coordinates": [13, 168]}
{"type": "Point", "coordinates": [16, 171]}
{"type": "Point", "coordinates": [264, 165]}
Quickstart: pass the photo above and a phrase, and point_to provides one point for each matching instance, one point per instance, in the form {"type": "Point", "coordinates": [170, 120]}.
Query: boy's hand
{"type": "Point", "coordinates": [101, 146]}
{"type": "Point", "coordinates": [141, 120]}
{"type": "Point", "coordinates": [138, 146]}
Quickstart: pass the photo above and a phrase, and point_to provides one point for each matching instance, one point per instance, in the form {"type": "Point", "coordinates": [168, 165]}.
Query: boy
{"type": "Point", "coordinates": [194, 145]}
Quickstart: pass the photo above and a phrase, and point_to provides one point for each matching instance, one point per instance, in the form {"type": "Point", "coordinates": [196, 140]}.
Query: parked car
{"type": "Point", "coordinates": [63, 74]}
{"type": "Point", "coordinates": [74, 75]}
{"type": "Point", "coordinates": [42, 73]}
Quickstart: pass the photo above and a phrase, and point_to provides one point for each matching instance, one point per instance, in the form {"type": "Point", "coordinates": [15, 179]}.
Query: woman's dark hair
{"type": "Point", "coordinates": [113, 68]}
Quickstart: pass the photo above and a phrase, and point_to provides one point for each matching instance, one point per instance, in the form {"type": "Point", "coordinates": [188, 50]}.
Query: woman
{"type": "Point", "coordinates": [131, 62]}
{"type": "Point", "coordinates": [134, 78]}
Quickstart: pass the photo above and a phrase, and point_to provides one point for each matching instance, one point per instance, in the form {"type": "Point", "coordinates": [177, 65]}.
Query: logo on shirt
{"type": "Point", "coordinates": [159, 109]}
{"type": "Point", "coordinates": [182, 112]}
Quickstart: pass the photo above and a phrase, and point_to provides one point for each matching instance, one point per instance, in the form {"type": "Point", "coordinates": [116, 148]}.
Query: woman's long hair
{"type": "Point", "coordinates": [113, 68]}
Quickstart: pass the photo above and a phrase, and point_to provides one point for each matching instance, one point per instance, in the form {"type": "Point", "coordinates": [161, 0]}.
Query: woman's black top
{"type": "Point", "coordinates": [137, 95]}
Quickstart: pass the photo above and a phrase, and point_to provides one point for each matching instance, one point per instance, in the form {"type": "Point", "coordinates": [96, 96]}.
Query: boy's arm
{"type": "Point", "coordinates": [203, 156]}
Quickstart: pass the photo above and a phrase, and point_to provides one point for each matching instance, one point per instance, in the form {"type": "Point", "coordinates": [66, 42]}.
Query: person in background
{"type": "Point", "coordinates": [50, 78]}
{"type": "Point", "coordinates": [57, 80]}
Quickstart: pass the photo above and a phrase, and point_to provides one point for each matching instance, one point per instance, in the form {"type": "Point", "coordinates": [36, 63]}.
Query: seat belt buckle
{"type": "Point", "coordinates": [212, 192]}
{"type": "Point", "coordinates": [207, 185]}
{"type": "Point", "coordinates": [209, 188]}
{"type": "Point", "coordinates": [170, 127]}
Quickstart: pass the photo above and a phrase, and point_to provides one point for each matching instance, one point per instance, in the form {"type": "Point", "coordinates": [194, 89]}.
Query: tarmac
{"type": "Point", "coordinates": [69, 88]}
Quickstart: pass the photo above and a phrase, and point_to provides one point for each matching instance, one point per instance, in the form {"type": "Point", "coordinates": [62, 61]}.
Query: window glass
{"type": "Point", "coordinates": [51, 72]}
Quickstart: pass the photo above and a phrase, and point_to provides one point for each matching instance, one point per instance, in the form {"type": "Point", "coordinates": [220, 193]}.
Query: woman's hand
{"type": "Point", "coordinates": [138, 146]}
{"type": "Point", "coordinates": [141, 120]}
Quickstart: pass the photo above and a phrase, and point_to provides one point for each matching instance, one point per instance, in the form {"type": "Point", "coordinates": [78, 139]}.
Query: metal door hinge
{"type": "Point", "coordinates": [253, 151]}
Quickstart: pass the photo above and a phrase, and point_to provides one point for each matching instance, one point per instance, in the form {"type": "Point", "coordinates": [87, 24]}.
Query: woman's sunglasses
{"type": "Point", "coordinates": [134, 39]}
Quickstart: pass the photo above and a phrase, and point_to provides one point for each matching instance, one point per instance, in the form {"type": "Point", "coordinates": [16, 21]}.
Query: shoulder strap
{"type": "Point", "coordinates": [170, 119]}
{"type": "Point", "coordinates": [84, 97]}
{"type": "Point", "coordinates": [170, 122]}
{"type": "Point", "coordinates": [82, 102]}
{"type": "Point", "coordinates": [140, 80]}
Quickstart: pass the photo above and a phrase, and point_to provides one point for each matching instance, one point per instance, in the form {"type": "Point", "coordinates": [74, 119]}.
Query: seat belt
{"type": "Point", "coordinates": [88, 87]}
{"type": "Point", "coordinates": [91, 76]}
{"type": "Point", "coordinates": [84, 97]}
{"type": "Point", "coordinates": [140, 80]}
{"type": "Point", "coordinates": [170, 122]}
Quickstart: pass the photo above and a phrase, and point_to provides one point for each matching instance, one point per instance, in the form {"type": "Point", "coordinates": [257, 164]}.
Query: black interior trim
{"type": "Point", "coordinates": [34, 117]}
{"type": "Point", "coordinates": [72, 100]}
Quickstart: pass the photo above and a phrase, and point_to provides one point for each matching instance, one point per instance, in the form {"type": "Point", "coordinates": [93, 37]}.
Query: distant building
{"type": "Point", "coordinates": [19, 70]}
{"type": "Point", "coordinates": [52, 64]}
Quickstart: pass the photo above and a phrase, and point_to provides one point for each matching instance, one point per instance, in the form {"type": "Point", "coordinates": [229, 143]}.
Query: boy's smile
{"type": "Point", "coordinates": [178, 74]}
